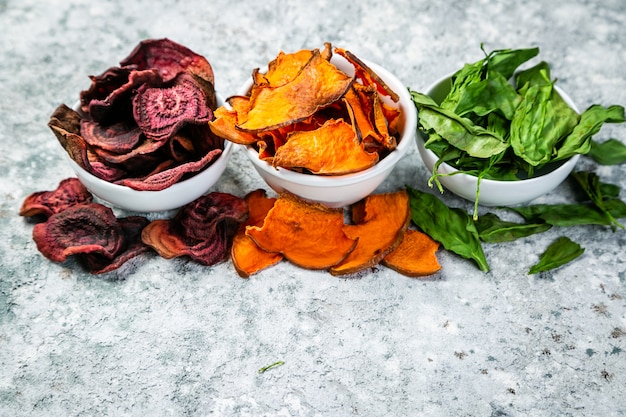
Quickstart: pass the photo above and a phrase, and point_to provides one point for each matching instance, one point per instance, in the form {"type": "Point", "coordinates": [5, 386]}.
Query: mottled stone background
{"type": "Point", "coordinates": [172, 338]}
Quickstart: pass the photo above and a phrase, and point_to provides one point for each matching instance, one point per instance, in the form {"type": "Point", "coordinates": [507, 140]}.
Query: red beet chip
{"type": "Point", "coordinates": [161, 111]}
{"type": "Point", "coordinates": [83, 228]}
{"type": "Point", "coordinates": [118, 138]}
{"type": "Point", "coordinates": [132, 227]}
{"type": "Point", "coordinates": [108, 98]}
{"type": "Point", "coordinates": [202, 229]}
{"type": "Point", "coordinates": [161, 179]}
{"type": "Point", "coordinates": [170, 58]}
{"type": "Point", "coordinates": [68, 193]}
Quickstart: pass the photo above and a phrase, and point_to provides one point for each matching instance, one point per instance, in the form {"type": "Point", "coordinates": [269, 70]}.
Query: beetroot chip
{"type": "Point", "coordinates": [132, 227]}
{"type": "Point", "coordinates": [168, 177]}
{"type": "Point", "coordinates": [161, 112]}
{"type": "Point", "coordinates": [118, 137]}
{"type": "Point", "coordinates": [68, 193]}
{"type": "Point", "coordinates": [202, 229]}
{"type": "Point", "coordinates": [108, 97]}
{"type": "Point", "coordinates": [83, 228]}
{"type": "Point", "coordinates": [170, 59]}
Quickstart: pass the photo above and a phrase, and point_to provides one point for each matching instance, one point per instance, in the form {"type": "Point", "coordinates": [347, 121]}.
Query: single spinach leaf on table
{"type": "Point", "coordinates": [558, 253]}
{"type": "Point", "coordinates": [610, 152]}
{"type": "Point", "coordinates": [492, 229]}
{"type": "Point", "coordinates": [452, 227]}
{"type": "Point", "coordinates": [595, 189]}
{"type": "Point", "coordinates": [562, 215]}
{"type": "Point", "coordinates": [591, 121]}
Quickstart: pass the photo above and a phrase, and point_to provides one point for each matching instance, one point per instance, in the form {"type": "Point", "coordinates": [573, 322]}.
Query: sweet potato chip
{"type": "Point", "coordinates": [333, 149]}
{"type": "Point", "coordinates": [318, 85]}
{"type": "Point", "coordinates": [308, 235]}
{"type": "Point", "coordinates": [415, 256]}
{"type": "Point", "coordinates": [359, 117]}
{"type": "Point", "coordinates": [224, 126]}
{"type": "Point", "coordinates": [367, 75]}
{"type": "Point", "coordinates": [246, 255]}
{"type": "Point", "coordinates": [381, 222]}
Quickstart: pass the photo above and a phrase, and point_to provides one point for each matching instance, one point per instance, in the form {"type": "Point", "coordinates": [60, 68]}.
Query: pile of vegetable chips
{"type": "Point", "coordinates": [307, 115]}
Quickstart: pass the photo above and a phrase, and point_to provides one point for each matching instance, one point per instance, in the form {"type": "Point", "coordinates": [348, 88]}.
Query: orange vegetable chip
{"type": "Point", "coordinates": [307, 234]}
{"type": "Point", "coordinates": [381, 220]}
{"type": "Point", "coordinates": [415, 256]}
{"type": "Point", "coordinates": [285, 67]}
{"type": "Point", "coordinates": [333, 149]}
{"type": "Point", "coordinates": [367, 75]}
{"type": "Point", "coordinates": [246, 255]}
{"type": "Point", "coordinates": [317, 85]}
{"type": "Point", "coordinates": [224, 126]}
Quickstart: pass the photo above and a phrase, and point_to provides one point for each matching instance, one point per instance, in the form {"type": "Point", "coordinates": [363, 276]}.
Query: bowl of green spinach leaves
{"type": "Point", "coordinates": [499, 135]}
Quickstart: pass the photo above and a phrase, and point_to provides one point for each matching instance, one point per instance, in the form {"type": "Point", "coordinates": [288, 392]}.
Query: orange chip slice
{"type": "Point", "coordinates": [332, 149]}
{"type": "Point", "coordinates": [248, 258]}
{"type": "Point", "coordinates": [224, 126]}
{"type": "Point", "coordinates": [381, 220]}
{"type": "Point", "coordinates": [317, 85]}
{"type": "Point", "coordinates": [367, 75]}
{"type": "Point", "coordinates": [415, 256]}
{"type": "Point", "coordinates": [307, 234]}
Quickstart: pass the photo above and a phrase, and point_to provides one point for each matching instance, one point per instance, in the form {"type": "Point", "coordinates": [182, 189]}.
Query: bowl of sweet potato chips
{"type": "Point", "coordinates": [322, 124]}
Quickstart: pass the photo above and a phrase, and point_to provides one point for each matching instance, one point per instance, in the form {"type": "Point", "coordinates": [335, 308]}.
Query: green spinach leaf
{"type": "Point", "coordinates": [492, 229]}
{"type": "Point", "coordinates": [590, 183]}
{"type": "Point", "coordinates": [610, 152]}
{"type": "Point", "coordinates": [506, 61]}
{"type": "Point", "coordinates": [458, 131]}
{"type": "Point", "coordinates": [533, 127]}
{"type": "Point", "coordinates": [452, 227]}
{"type": "Point", "coordinates": [558, 253]}
{"type": "Point", "coordinates": [563, 215]}
{"type": "Point", "coordinates": [591, 121]}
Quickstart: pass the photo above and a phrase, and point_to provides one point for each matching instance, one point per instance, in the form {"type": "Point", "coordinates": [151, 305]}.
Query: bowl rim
{"type": "Point", "coordinates": [448, 169]}
{"type": "Point", "coordinates": [387, 163]}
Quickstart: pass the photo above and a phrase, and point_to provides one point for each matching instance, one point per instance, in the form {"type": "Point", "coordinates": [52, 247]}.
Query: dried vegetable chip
{"type": "Point", "coordinates": [133, 119]}
{"type": "Point", "coordinates": [201, 230]}
{"type": "Point", "coordinates": [307, 234]}
{"type": "Point", "coordinates": [380, 221]}
{"type": "Point", "coordinates": [332, 149]}
{"type": "Point", "coordinates": [246, 255]}
{"type": "Point", "coordinates": [303, 91]}
{"type": "Point", "coordinates": [68, 193]}
{"type": "Point", "coordinates": [132, 227]}
{"type": "Point", "coordinates": [367, 75]}
{"type": "Point", "coordinates": [78, 229]}
{"type": "Point", "coordinates": [415, 256]}
{"type": "Point", "coordinates": [317, 85]}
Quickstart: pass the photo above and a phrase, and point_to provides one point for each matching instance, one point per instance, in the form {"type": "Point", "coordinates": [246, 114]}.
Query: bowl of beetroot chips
{"type": "Point", "coordinates": [139, 136]}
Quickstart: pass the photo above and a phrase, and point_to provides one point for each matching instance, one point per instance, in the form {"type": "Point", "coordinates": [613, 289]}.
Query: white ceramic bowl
{"type": "Point", "coordinates": [343, 190]}
{"type": "Point", "coordinates": [492, 192]}
{"type": "Point", "coordinates": [173, 197]}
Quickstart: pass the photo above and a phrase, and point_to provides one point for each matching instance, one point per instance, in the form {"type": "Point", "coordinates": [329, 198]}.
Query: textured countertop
{"type": "Point", "coordinates": [173, 338]}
